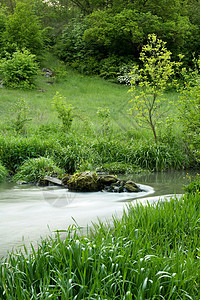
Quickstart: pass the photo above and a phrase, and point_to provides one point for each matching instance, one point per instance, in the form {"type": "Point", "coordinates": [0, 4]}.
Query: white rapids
{"type": "Point", "coordinates": [29, 212]}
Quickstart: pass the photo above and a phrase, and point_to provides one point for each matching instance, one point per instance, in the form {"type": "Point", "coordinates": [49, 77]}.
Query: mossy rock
{"type": "Point", "coordinates": [107, 179]}
{"type": "Point", "coordinates": [131, 186]}
{"type": "Point", "coordinates": [92, 182]}
{"type": "Point", "coordinates": [84, 182]}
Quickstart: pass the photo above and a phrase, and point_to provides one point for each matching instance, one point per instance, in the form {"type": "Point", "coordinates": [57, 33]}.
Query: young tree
{"type": "Point", "coordinates": [153, 79]}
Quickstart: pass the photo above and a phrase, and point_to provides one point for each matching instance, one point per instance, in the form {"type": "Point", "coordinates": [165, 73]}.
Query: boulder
{"type": "Point", "coordinates": [130, 186]}
{"type": "Point", "coordinates": [84, 182]}
{"type": "Point", "coordinates": [91, 182]}
{"type": "Point", "coordinates": [107, 179]}
{"type": "Point", "coordinates": [47, 72]}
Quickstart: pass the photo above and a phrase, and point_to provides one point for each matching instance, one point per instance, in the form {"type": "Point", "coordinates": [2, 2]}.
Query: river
{"type": "Point", "coordinates": [29, 212]}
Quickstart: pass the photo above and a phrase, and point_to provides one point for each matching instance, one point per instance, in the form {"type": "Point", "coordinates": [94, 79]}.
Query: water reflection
{"type": "Point", "coordinates": [171, 182]}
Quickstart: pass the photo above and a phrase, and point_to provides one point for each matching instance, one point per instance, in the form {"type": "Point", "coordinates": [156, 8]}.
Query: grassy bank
{"type": "Point", "coordinates": [151, 253]}
{"type": "Point", "coordinates": [30, 128]}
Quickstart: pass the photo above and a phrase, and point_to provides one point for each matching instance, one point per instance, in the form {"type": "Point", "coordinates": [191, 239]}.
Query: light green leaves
{"type": "Point", "coordinates": [157, 69]}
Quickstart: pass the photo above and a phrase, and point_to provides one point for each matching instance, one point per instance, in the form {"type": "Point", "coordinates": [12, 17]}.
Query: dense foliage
{"type": "Point", "coordinates": [3, 173]}
{"type": "Point", "coordinates": [23, 30]}
{"type": "Point", "coordinates": [105, 39]}
{"type": "Point", "coordinates": [19, 69]}
{"type": "Point", "coordinates": [153, 252]}
{"type": "Point", "coordinates": [98, 37]}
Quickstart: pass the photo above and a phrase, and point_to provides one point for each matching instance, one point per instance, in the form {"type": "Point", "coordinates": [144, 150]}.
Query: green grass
{"type": "Point", "coordinates": [41, 132]}
{"type": "Point", "coordinates": [151, 253]}
{"type": "Point", "coordinates": [85, 94]}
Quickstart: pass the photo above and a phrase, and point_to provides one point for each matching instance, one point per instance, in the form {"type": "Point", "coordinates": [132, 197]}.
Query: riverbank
{"type": "Point", "coordinates": [100, 135]}
{"type": "Point", "coordinates": [150, 252]}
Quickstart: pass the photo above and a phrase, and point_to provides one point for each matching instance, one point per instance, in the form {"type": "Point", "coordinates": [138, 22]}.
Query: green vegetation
{"type": "Point", "coordinates": [64, 111]}
{"type": "Point", "coordinates": [23, 30]}
{"type": "Point", "coordinates": [100, 134]}
{"type": "Point", "coordinates": [151, 253]}
{"type": "Point", "coordinates": [19, 70]}
{"type": "Point", "coordinates": [35, 169]}
{"type": "Point", "coordinates": [153, 79]}
{"type": "Point", "coordinates": [3, 173]}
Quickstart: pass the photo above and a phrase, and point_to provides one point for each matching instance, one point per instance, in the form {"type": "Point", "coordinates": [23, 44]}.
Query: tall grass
{"type": "Point", "coordinates": [3, 173]}
{"type": "Point", "coordinates": [70, 152]}
{"type": "Point", "coordinates": [151, 253]}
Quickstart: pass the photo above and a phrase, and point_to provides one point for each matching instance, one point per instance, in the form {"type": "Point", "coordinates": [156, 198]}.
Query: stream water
{"type": "Point", "coordinates": [28, 212]}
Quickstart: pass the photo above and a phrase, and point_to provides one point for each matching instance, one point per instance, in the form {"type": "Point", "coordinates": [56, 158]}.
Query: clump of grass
{"type": "Point", "coordinates": [151, 253]}
{"type": "Point", "coordinates": [3, 173]}
{"type": "Point", "coordinates": [158, 157]}
{"type": "Point", "coordinates": [35, 169]}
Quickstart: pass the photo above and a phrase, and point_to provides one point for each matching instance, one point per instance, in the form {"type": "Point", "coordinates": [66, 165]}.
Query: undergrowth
{"type": "Point", "coordinates": [3, 173]}
{"type": "Point", "coordinates": [71, 152]}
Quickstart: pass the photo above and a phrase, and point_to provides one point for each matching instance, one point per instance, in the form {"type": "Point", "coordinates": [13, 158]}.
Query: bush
{"type": "Point", "coordinates": [3, 173]}
{"type": "Point", "coordinates": [19, 70]}
{"type": "Point", "coordinates": [64, 111]}
{"type": "Point", "coordinates": [23, 29]}
{"type": "Point", "coordinates": [35, 169]}
{"type": "Point", "coordinates": [71, 45]}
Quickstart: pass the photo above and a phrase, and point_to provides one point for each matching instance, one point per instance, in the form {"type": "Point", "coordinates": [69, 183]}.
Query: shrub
{"type": "Point", "coordinates": [3, 173]}
{"type": "Point", "coordinates": [20, 112]}
{"type": "Point", "coordinates": [35, 169]}
{"type": "Point", "coordinates": [64, 111]}
{"type": "Point", "coordinates": [189, 108]}
{"type": "Point", "coordinates": [19, 70]}
{"type": "Point", "coordinates": [71, 45]}
{"type": "Point", "coordinates": [104, 117]}
{"type": "Point", "coordinates": [23, 29]}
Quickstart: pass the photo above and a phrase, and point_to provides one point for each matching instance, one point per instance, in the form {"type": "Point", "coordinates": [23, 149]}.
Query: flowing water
{"type": "Point", "coordinates": [28, 212]}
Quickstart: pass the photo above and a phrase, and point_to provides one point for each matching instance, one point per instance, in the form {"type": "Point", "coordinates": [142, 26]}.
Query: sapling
{"type": "Point", "coordinates": [64, 110]}
{"type": "Point", "coordinates": [154, 77]}
{"type": "Point", "coordinates": [104, 116]}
